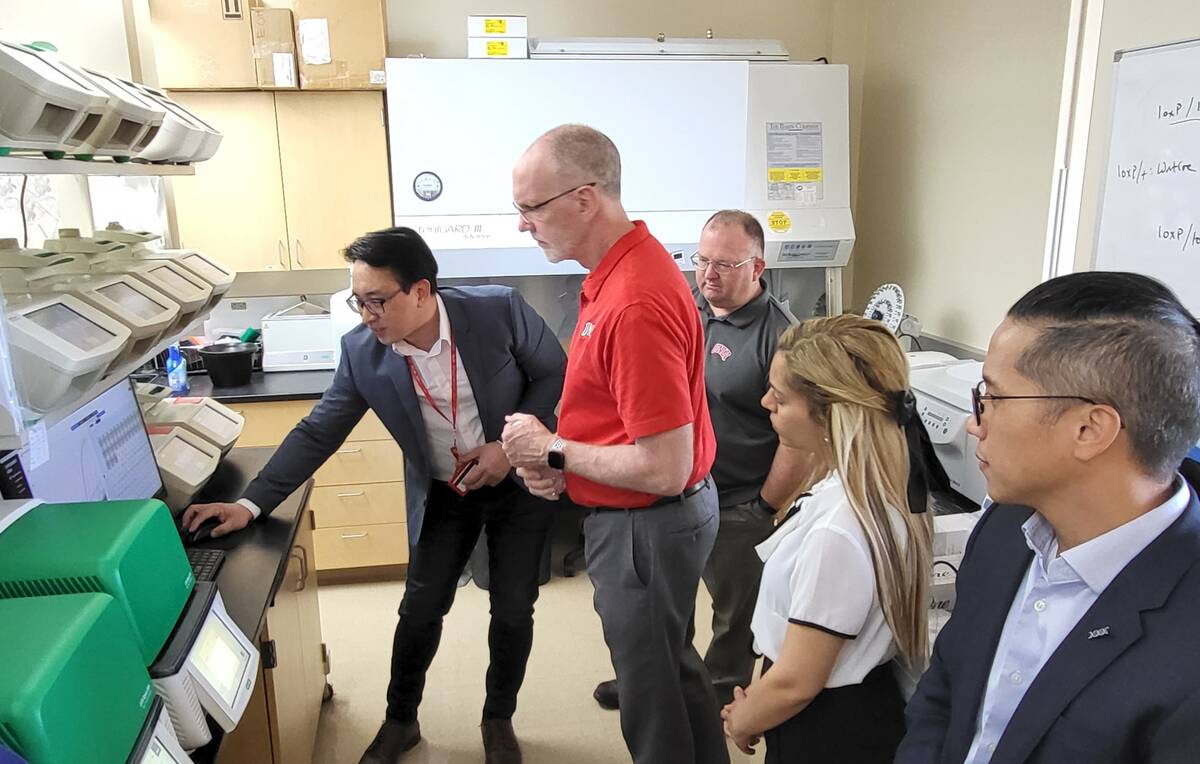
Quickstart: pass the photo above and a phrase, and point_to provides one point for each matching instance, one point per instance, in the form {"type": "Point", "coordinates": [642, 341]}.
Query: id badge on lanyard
{"type": "Point", "coordinates": [452, 419]}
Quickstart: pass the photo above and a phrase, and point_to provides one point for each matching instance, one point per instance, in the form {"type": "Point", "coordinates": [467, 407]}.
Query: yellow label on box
{"type": "Point", "coordinates": [779, 222]}
{"type": "Point", "coordinates": [495, 26]}
{"type": "Point", "coordinates": [497, 47]}
{"type": "Point", "coordinates": [794, 174]}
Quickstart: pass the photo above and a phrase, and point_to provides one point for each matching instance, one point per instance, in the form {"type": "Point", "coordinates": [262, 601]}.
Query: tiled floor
{"type": "Point", "coordinates": [557, 720]}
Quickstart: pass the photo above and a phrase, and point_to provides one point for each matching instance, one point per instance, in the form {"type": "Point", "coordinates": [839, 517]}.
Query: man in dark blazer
{"type": "Point", "coordinates": [441, 368]}
{"type": "Point", "coordinates": [1074, 638]}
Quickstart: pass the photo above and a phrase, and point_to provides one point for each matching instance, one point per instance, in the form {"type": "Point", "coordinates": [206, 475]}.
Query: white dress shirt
{"type": "Point", "coordinates": [1057, 591]}
{"type": "Point", "coordinates": [434, 368]}
{"type": "Point", "coordinates": [817, 572]}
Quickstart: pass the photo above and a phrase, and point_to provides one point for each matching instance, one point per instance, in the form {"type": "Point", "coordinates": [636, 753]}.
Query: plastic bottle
{"type": "Point", "coordinates": [176, 371]}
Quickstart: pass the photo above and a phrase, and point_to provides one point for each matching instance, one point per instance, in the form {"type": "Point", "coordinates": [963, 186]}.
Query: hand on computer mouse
{"type": "Point", "coordinates": [229, 516]}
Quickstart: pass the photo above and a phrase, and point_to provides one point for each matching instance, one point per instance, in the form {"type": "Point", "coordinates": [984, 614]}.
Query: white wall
{"type": "Point", "coordinates": [1127, 24]}
{"type": "Point", "coordinates": [86, 32]}
{"type": "Point", "coordinates": [959, 117]}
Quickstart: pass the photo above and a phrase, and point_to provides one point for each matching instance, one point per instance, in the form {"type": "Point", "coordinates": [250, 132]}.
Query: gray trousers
{"type": "Point", "coordinates": [732, 575]}
{"type": "Point", "coordinates": [645, 565]}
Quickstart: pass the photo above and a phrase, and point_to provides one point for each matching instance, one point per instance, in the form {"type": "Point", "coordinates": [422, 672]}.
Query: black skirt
{"type": "Point", "coordinates": [855, 724]}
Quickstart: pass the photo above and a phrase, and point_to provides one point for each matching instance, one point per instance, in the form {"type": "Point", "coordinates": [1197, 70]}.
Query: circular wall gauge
{"type": "Point", "coordinates": [427, 186]}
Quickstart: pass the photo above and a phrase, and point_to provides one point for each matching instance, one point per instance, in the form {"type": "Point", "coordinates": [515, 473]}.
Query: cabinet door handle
{"type": "Point", "coordinates": [354, 535]}
{"type": "Point", "coordinates": [349, 451]}
{"type": "Point", "coordinates": [299, 254]}
{"type": "Point", "coordinates": [303, 557]}
{"type": "Point", "coordinates": [351, 495]}
{"type": "Point", "coordinates": [279, 255]}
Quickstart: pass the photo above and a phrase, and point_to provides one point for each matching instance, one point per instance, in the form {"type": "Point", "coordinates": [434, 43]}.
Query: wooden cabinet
{"type": "Point", "coordinates": [241, 183]}
{"type": "Point", "coordinates": [298, 177]}
{"type": "Point", "coordinates": [333, 152]}
{"type": "Point", "coordinates": [279, 725]}
{"type": "Point", "coordinates": [357, 504]}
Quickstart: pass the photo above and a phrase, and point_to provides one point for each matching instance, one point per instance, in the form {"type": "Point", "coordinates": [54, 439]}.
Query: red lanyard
{"type": "Point", "coordinates": [453, 418]}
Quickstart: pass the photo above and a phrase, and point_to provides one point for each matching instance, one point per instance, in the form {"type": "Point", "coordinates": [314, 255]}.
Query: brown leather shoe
{"type": "Point", "coordinates": [392, 740]}
{"type": "Point", "coordinates": [499, 742]}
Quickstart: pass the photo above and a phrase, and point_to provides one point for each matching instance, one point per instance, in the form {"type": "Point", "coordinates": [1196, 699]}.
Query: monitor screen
{"type": "Point", "coordinates": [132, 300]}
{"type": "Point", "coordinates": [60, 320]}
{"type": "Point", "coordinates": [177, 282]}
{"type": "Point", "coordinates": [221, 659]}
{"type": "Point", "coordinates": [98, 452]}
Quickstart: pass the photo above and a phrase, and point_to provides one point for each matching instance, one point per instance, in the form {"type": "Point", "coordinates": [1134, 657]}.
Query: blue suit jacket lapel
{"type": "Point", "coordinates": [468, 351]}
{"type": "Point", "coordinates": [395, 368]}
{"type": "Point", "coordinates": [1144, 584]}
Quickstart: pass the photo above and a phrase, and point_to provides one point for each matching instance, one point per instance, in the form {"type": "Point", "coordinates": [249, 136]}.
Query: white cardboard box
{"type": "Point", "coordinates": [497, 26]}
{"type": "Point", "coordinates": [497, 47]}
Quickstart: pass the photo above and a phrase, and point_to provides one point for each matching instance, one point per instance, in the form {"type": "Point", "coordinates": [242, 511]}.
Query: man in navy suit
{"type": "Point", "coordinates": [1075, 636]}
{"type": "Point", "coordinates": [441, 368]}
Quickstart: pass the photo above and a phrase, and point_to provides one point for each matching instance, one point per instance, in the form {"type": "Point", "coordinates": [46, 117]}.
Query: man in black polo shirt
{"type": "Point", "coordinates": [755, 477]}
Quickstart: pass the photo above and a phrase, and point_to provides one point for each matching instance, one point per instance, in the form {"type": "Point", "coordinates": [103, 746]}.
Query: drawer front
{"type": "Point", "coordinates": [362, 504]}
{"type": "Point", "coordinates": [268, 423]}
{"type": "Point", "coordinates": [360, 546]}
{"type": "Point", "coordinates": [369, 428]}
{"type": "Point", "coordinates": [367, 461]}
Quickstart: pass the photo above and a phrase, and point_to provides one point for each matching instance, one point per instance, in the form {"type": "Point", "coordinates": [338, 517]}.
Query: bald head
{"type": "Point", "coordinates": [581, 154]}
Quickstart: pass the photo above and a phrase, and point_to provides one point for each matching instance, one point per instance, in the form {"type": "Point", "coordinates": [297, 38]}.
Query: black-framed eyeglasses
{"type": "Point", "coordinates": [526, 211]}
{"type": "Point", "coordinates": [979, 394]}
{"type": "Point", "coordinates": [374, 305]}
{"type": "Point", "coordinates": [703, 263]}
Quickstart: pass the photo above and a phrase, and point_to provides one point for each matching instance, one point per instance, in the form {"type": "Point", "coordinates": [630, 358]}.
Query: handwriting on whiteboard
{"type": "Point", "coordinates": [1179, 112]}
{"type": "Point", "coordinates": [1186, 238]}
{"type": "Point", "coordinates": [1137, 173]}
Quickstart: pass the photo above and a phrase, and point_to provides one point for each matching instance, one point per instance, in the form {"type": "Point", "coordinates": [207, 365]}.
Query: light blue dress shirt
{"type": "Point", "coordinates": [1057, 591]}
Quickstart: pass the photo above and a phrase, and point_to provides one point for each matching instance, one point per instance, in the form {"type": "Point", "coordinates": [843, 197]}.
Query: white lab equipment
{"type": "Point", "coordinates": [923, 359]}
{"type": "Point", "coordinates": [128, 125]}
{"type": "Point", "coordinates": [886, 305]}
{"type": "Point", "coordinates": [216, 423]}
{"type": "Point", "coordinates": [61, 346]}
{"type": "Point", "coordinates": [184, 137]}
{"type": "Point", "coordinates": [211, 272]}
{"type": "Point", "coordinates": [185, 460]}
{"type": "Point", "coordinates": [771, 138]}
{"type": "Point", "coordinates": [297, 338]}
{"type": "Point", "coordinates": [158, 743]}
{"type": "Point", "coordinates": [178, 284]}
{"type": "Point", "coordinates": [943, 396]}
{"type": "Point", "coordinates": [43, 105]}
{"type": "Point", "coordinates": [208, 665]}
{"type": "Point", "coordinates": [341, 320]}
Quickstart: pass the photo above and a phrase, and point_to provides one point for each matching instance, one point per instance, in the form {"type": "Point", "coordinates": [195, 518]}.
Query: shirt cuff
{"type": "Point", "coordinates": [254, 510]}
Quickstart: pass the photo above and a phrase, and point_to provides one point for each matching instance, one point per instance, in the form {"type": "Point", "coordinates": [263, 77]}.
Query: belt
{"type": "Point", "coordinates": [662, 501]}
{"type": "Point", "coordinates": [688, 493]}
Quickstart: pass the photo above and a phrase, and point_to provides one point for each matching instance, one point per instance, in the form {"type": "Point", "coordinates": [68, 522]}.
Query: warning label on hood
{"type": "Point", "coordinates": [795, 162]}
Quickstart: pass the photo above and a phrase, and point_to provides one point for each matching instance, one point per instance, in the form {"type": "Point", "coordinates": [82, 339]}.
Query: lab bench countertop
{"type": "Point", "coordinates": [255, 557]}
{"type": "Point", "coordinates": [264, 386]}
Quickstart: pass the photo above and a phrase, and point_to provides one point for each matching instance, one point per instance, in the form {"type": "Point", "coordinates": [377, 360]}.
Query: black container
{"type": "Point", "coordinates": [229, 365]}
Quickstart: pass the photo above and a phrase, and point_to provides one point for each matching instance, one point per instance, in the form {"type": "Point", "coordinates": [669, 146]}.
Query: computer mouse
{"type": "Point", "coordinates": [202, 533]}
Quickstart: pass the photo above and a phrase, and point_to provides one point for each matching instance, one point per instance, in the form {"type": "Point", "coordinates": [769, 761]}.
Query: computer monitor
{"type": "Point", "coordinates": [99, 452]}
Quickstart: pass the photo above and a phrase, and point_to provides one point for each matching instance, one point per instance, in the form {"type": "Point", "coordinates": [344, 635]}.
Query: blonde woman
{"type": "Point", "coordinates": [845, 579]}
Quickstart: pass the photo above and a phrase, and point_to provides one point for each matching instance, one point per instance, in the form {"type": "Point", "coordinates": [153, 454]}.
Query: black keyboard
{"type": "Point", "coordinates": [205, 563]}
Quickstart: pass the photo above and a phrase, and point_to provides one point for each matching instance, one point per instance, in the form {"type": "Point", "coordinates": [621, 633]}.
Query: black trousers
{"type": "Point", "coordinates": [517, 524]}
{"type": "Point", "coordinates": [855, 724]}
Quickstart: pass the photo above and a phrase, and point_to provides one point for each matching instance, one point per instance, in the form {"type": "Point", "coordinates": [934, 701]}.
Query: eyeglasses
{"type": "Point", "coordinates": [979, 395]}
{"type": "Point", "coordinates": [374, 305]}
{"type": "Point", "coordinates": [703, 263]}
{"type": "Point", "coordinates": [526, 211]}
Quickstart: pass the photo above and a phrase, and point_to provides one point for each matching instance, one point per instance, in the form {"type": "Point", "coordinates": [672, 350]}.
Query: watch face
{"type": "Point", "coordinates": [556, 460]}
{"type": "Point", "coordinates": [427, 186]}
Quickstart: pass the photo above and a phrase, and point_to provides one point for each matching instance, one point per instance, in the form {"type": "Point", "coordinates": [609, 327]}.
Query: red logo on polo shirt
{"type": "Point", "coordinates": [722, 351]}
{"type": "Point", "coordinates": [588, 328]}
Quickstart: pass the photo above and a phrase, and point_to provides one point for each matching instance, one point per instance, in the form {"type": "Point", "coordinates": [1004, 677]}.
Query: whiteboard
{"type": "Point", "coordinates": [1150, 211]}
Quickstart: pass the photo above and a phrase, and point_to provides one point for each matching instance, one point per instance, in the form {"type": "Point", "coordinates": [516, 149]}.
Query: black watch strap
{"type": "Point", "coordinates": [765, 505]}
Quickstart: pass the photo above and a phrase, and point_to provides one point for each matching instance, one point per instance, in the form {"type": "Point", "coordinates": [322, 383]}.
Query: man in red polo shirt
{"type": "Point", "coordinates": [634, 442]}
